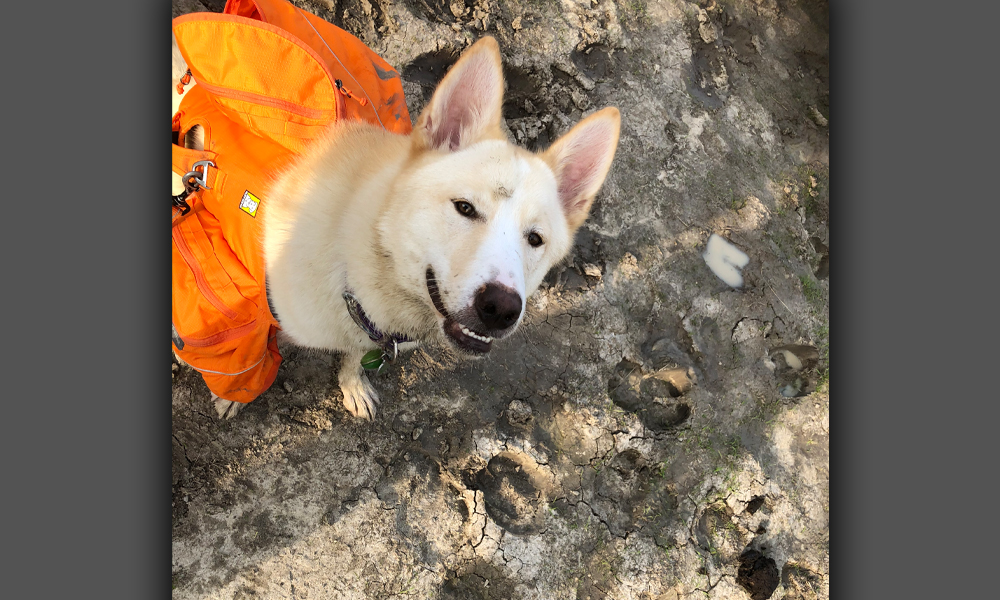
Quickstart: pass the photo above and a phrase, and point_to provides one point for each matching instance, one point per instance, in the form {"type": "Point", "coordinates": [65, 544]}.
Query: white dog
{"type": "Point", "coordinates": [438, 236]}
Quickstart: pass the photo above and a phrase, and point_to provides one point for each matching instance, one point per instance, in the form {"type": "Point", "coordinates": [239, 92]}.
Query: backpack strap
{"type": "Point", "coordinates": [182, 161]}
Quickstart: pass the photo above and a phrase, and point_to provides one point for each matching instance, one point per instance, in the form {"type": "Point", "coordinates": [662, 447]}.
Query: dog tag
{"type": "Point", "coordinates": [372, 360]}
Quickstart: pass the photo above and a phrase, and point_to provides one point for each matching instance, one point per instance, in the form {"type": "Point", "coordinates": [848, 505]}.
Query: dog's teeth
{"type": "Point", "coordinates": [474, 335]}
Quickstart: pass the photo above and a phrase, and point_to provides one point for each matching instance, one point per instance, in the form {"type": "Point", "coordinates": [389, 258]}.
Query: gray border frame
{"type": "Point", "coordinates": [86, 441]}
{"type": "Point", "coordinates": [86, 423]}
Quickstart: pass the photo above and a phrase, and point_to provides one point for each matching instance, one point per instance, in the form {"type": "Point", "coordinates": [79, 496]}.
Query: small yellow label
{"type": "Point", "coordinates": [249, 204]}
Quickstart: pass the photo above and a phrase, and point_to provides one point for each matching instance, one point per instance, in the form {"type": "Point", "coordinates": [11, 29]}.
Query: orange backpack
{"type": "Point", "coordinates": [268, 79]}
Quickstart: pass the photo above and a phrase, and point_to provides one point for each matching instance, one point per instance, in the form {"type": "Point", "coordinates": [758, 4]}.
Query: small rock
{"type": "Point", "coordinates": [818, 117]}
{"type": "Point", "coordinates": [516, 24]}
{"type": "Point", "coordinates": [707, 33]}
{"type": "Point", "coordinates": [705, 28]}
{"type": "Point", "coordinates": [416, 433]}
{"type": "Point", "coordinates": [518, 412]}
{"type": "Point", "coordinates": [580, 100]}
{"type": "Point", "coordinates": [680, 380]}
{"type": "Point", "coordinates": [725, 260]}
{"type": "Point", "coordinates": [796, 356]}
{"type": "Point", "coordinates": [289, 386]}
{"type": "Point", "coordinates": [790, 391]}
{"type": "Point", "coordinates": [592, 270]}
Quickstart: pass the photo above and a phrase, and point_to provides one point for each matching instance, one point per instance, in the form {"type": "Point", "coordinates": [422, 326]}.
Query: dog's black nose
{"type": "Point", "coordinates": [498, 307]}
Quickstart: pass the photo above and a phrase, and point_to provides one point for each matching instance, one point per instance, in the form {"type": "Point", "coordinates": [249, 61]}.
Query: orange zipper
{"type": "Point", "coordinates": [350, 94]}
{"type": "Point", "coordinates": [199, 276]}
{"type": "Point", "coordinates": [295, 109]}
{"type": "Point", "coordinates": [224, 336]}
{"type": "Point", "coordinates": [185, 79]}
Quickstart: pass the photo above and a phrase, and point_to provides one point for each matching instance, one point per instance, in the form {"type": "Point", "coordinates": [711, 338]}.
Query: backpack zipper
{"type": "Point", "coordinates": [221, 337]}
{"type": "Point", "coordinates": [199, 276]}
{"type": "Point", "coordinates": [295, 109]}
{"type": "Point", "coordinates": [349, 94]}
{"type": "Point", "coordinates": [185, 79]}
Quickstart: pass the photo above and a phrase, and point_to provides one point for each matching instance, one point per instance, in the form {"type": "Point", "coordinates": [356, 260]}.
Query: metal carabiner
{"type": "Point", "coordinates": [200, 179]}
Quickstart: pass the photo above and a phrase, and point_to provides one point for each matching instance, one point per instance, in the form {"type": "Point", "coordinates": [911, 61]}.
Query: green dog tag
{"type": "Point", "coordinates": [372, 360]}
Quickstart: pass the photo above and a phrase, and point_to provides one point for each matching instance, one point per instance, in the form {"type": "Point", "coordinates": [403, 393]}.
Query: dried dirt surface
{"type": "Point", "coordinates": [651, 433]}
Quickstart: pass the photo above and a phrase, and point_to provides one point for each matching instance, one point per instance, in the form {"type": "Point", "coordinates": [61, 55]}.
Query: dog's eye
{"type": "Point", "coordinates": [534, 239]}
{"type": "Point", "coordinates": [465, 209]}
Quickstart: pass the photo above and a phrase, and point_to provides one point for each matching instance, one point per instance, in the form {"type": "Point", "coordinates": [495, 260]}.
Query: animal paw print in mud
{"type": "Point", "coordinates": [795, 369]}
{"type": "Point", "coordinates": [512, 491]}
{"type": "Point", "coordinates": [654, 397]}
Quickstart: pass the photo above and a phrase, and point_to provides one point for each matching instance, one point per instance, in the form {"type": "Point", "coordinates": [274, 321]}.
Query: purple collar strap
{"type": "Point", "coordinates": [386, 341]}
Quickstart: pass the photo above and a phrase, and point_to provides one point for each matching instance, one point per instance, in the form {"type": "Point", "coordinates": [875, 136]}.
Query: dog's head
{"type": "Point", "coordinates": [476, 222]}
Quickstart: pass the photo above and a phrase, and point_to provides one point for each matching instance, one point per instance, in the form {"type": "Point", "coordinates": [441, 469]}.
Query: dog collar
{"type": "Point", "coordinates": [386, 341]}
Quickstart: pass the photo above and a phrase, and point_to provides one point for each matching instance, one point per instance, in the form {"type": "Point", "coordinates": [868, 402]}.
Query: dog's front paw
{"type": "Point", "coordinates": [360, 397]}
{"type": "Point", "coordinates": [227, 409]}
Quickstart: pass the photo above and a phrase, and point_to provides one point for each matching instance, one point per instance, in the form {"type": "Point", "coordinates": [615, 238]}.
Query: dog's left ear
{"type": "Point", "coordinates": [580, 161]}
{"type": "Point", "coordinates": [466, 106]}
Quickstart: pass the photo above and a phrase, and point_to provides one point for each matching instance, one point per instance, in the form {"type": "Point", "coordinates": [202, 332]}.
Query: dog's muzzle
{"type": "Point", "coordinates": [496, 307]}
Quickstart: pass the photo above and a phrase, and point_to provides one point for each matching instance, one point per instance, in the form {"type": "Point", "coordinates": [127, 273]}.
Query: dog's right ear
{"type": "Point", "coordinates": [466, 106]}
{"type": "Point", "coordinates": [580, 160]}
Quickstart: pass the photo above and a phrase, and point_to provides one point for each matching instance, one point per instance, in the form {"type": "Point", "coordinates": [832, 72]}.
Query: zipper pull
{"type": "Point", "coordinates": [185, 79]}
{"type": "Point", "coordinates": [349, 94]}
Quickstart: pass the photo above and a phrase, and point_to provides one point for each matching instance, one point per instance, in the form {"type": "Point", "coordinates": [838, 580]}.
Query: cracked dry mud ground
{"type": "Point", "coordinates": [650, 433]}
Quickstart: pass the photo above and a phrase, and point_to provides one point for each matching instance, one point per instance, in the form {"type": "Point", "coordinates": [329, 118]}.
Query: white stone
{"type": "Point", "coordinates": [725, 260]}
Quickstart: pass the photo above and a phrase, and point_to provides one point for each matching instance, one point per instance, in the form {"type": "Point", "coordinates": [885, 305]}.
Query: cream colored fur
{"type": "Point", "coordinates": [372, 211]}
